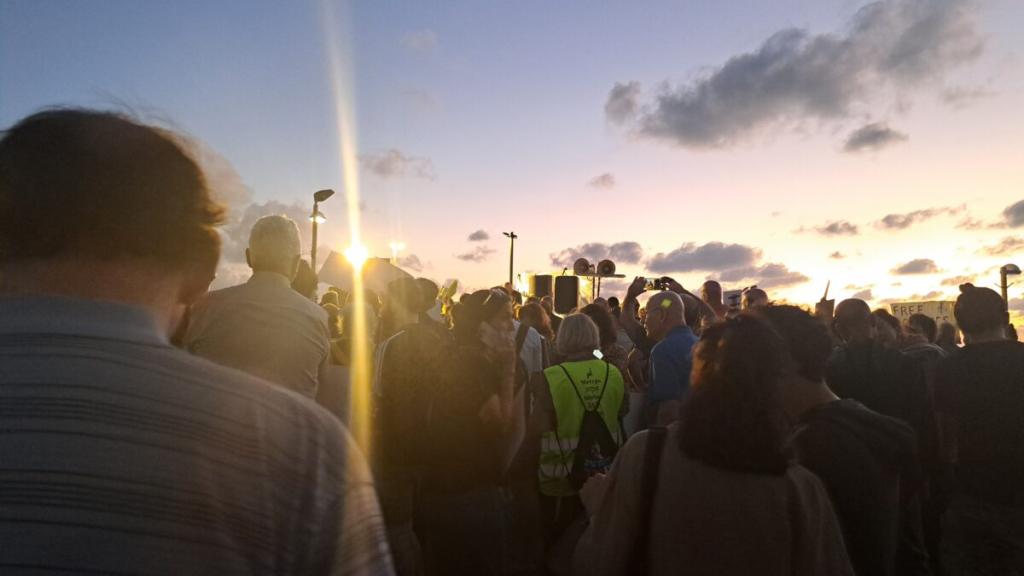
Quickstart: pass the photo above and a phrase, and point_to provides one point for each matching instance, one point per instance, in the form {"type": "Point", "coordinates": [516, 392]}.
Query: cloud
{"type": "Point", "coordinates": [1008, 245]}
{"type": "Point", "coordinates": [478, 254]}
{"type": "Point", "coordinates": [605, 181]}
{"type": "Point", "coordinates": [479, 236]}
{"type": "Point", "coordinates": [917, 266]}
{"type": "Point", "coordinates": [621, 253]}
{"type": "Point", "coordinates": [1016, 304]}
{"type": "Point", "coordinates": [873, 136]}
{"type": "Point", "coordinates": [623, 102]}
{"type": "Point", "coordinates": [907, 219]}
{"type": "Point", "coordinates": [713, 256]}
{"type": "Point", "coordinates": [771, 275]}
{"type": "Point", "coordinates": [960, 97]}
{"type": "Point", "coordinates": [888, 47]}
{"type": "Point", "coordinates": [411, 262]}
{"type": "Point", "coordinates": [837, 228]}
{"type": "Point", "coordinates": [1014, 214]}
{"type": "Point", "coordinates": [236, 234]}
{"type": "Point", "coordinates": [933, 295]}
{"type": "Point", "coordinates": [837, 255]}
{"type": "Point", "coordinates": [421, 41]}
{"type": "Point", "coordinates": [864, 295]}
{"type": "Point", "coordinates": [970, 223]}
{"type": "Point", "coordinates": [394, 164]}
{"type": "Point", "coordinates": [957, 280]}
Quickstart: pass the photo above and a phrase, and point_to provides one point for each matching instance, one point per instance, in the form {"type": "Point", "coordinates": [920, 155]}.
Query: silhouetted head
{"type": "Point", "coordinates": [853, 320]}
{"type": "Point", "coordinates": [806, 338]}
{"type": "Point", "coordinates": [923, 326]}
{"type": "Point", "coordinates": [947, 335]}
{"type": "Point", "coordinates": [711, 292]}
{"type": "Point", "coordinates": [754, 298]}
{"type": "Point", "coordinates": [981, 314]}
{"type": "Point", "coordinates": [605, 324]}
{"type": "Point", "coordinates": [734, 416]}
{"type": "Point", "coordinates": [97, 205]}
{"type": "Point", "coordinates": [534, 316]}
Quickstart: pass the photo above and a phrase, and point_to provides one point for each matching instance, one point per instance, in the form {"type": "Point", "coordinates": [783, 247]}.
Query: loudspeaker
{"type": "Point", "coordinates": [567, 294]}
{"type": "Point", "coordinates": [540, 285]}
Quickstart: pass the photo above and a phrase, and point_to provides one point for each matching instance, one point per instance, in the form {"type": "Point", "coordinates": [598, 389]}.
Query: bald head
{"type": "Point", "coordinates": [754, 298]}
{"type": "Point", "coordinates": [665, 311]}
{"type": "Point", "coordinates": [853, 319]}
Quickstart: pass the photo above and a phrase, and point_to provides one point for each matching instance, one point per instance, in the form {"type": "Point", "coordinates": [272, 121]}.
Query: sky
{"type": "Point", "coordinates": [877, 146]}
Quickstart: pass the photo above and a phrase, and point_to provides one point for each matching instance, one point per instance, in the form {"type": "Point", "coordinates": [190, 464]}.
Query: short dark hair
{"type": "Point", "coordinates": [893, 322]}
{"type": "Point", "coordinates": [733, 417]}
{"type": "Point", "coordinates": [979, 309]}
{"type": "Point", "coordinates": [806, 337]}
{"type": "Point", "coordinates": [77, 182]}
{"type": "Point", "coordinates": [924, 325]}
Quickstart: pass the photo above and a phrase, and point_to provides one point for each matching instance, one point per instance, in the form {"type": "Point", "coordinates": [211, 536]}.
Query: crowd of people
{"type": "Point", "coordinates": [150, 426]}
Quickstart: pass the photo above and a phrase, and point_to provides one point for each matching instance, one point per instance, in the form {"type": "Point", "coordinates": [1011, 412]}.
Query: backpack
{"type": "Point", "coordinates": [596, 448]}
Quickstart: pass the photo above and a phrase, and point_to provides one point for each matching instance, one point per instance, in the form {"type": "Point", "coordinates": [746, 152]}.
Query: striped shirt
{"type": "Point", "coordinates": [120, 454]}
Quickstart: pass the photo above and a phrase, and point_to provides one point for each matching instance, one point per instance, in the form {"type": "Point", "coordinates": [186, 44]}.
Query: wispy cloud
{"type": "Point", "coordinates": [478, 254]}
{"type": "Point", "coordinates": [479, 236]}
{"type": "Point", "coordinates": [420, 41]}
{"type": "Point", "coordinates": [873, 137]}
{"type": "Point", "coordinates": [605, 181]}
{"type": "Point", "coordinates": [393, 163]}
{"type": "Point", "coordinates": [1008, 245]}
{"type": "Point", "coordinates": [835, 228]}
{"type": "Point", "coordinates": [917, 266]}
{"type": "Point", "coordinates": [907, 219]}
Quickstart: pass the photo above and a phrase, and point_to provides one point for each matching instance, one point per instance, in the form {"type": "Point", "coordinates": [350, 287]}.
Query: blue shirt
{"type": "Point", "coordinates": [671, 361]}
{"type": "Point", "coordinates": [122, 454]}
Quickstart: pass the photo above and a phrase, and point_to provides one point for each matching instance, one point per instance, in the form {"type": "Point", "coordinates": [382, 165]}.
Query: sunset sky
{"type": "Point", "coordinates": [783, 143]}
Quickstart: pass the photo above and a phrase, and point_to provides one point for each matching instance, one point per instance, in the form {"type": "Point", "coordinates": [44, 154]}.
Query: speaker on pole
{"type": "Point", "coordinates": [567, 294]}
{"type": "Point", "coordinates": [541, 285]}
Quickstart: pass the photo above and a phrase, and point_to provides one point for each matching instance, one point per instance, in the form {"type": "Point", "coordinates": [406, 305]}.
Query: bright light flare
{"type": "Point", "coordinates": [357, 254]}
{"type": "Point", "coordinates": [319, 217]}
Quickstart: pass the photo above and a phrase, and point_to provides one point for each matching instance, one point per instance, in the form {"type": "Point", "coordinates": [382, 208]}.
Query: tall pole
{"type": "Point", "coordinates": [511, 257]}
{"type": "Point", "coordinates": [312, 249]}
{"type": "Point", "coordinates": [1002, 286]}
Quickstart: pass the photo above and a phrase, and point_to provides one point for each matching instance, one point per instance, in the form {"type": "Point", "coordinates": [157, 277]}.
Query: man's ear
{"type": "Point", "coordinates": [248, 258]}
{"type": "Point", "coordinates": [295, 266]}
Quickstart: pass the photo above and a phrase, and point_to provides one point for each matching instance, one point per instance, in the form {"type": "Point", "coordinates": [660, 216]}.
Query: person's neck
{"type": "Point", "coordinates": [994, 335]}
{"type": "Point", "coordinates": [807, 395]}
{"type": "Point", "coordinates": [142, 284]}
{"type": "Point", "coordinates": [267, 271]}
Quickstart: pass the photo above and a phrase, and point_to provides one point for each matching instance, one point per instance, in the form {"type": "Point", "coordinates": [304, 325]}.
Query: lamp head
{"type": "Point", "coordinates": [322, 195]}
{"type": "Point", "coordinates": [1010, 269]}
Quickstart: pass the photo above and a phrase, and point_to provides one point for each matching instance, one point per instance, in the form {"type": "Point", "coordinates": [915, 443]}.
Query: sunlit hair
{"type": "Point", "coordinates": [534, 316]}
{"type": "Point", "coordinates": [605, 324]}
{"type": "Point", "coordinates": [577, 334]}
{"type": "Point", "coordinates": [274, 242]}
{"type": "Point", "coordinates": [78, 183]}
{"type": "Point", "coordinates": [733, 418]}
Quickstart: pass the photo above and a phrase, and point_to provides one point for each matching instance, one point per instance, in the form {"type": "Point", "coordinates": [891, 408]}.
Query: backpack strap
{"type": "Point", "coordinates": [648, 486]}
{"type": "Point", "coordinates": [604, 386]}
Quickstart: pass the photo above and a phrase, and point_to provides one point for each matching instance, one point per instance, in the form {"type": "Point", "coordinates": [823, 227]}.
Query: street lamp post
{"type": "Point", "coordinates": [511, 256]}
{"type": "Point", "coordinates": [317, 218]}
{"type": "Point", "coordinates": [1007, 270]}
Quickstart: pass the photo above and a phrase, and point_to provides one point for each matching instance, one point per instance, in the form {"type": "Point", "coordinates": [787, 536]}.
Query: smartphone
{"type": "Point", "coordinates": [655, 284]}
